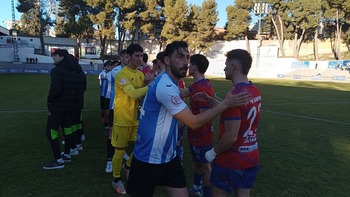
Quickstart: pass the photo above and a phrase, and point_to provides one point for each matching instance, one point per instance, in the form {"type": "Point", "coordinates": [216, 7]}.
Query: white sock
{"type": "Point", "coordinates": [197, 187]}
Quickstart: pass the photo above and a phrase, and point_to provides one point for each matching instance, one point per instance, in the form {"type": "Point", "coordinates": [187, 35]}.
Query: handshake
{"type": "Point", "coordinates": [210, 155]}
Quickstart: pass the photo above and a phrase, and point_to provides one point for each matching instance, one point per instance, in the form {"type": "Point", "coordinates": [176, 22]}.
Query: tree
{"type": "Point", "coordinates": [338, 13]}
{"type": "Point", "coordinates": [191, 27]}
{"type": "Point", "coordinates": [149, 17]}
{"type": "Point", "coordinates": [207, 20]}
{"type": "Point", "coordinates": [73, 21]}
{"type": "Point", "coordinates": [175, 14]}
{"type": "Point", "coordinates": [129, 11]}
{"type": "Point", "coordinates": [238, 20]}
{"type": "Point", "coordinates": [304, 16]}
{"type": "Point", "coordinates": [277, 14]}
{"type": "Point", "coordinates": [30, 23]}
{"type": "Point", "coordinates": [43, 10]}
{"type": "Point", "coordinates": [103, 17]}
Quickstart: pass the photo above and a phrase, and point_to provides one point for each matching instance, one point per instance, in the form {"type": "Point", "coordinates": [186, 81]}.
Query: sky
{"type": "Point", "coordinates": [6, 10]}
{"type": "Point", "coordinates": [221, 8]}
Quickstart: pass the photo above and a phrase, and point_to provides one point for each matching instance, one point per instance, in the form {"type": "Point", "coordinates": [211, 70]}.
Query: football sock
{"type": "Point", "coordinates": [206, 191]}
{"type": "Point", "coordinates": [197, 179]}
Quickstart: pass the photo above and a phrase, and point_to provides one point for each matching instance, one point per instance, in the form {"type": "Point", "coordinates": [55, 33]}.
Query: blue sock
{"type": "Point", "coordinates": [197, 179]}
{"type": "Point", "coordinates": [206, 191]}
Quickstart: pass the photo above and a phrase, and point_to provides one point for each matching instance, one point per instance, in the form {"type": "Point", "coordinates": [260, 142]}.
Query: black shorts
{"type": "Point", "coordinates": [101, 102]}
{"type": "Point", "coordinates": [105, 103]}
{"type": "Point", "coordinates": [111, 118]}
{"type": "Point", "coordinates": [144, 177]}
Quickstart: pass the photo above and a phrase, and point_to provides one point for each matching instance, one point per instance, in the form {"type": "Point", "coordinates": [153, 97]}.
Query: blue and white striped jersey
{"type": "Point", "coordinates": [111, 81]}
{"type": "Point", "coordinates": [103, 83]}
{"type": "Point", "coordinates": [157, 131]}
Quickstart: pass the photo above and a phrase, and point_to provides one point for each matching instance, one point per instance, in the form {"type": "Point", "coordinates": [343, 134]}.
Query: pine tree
{"type": "Point", "coordinates": [38, 10]}
{"type": "Point", "coordinates": [304, 16]}
{"type": "Point", "coordinates": [103, 16]}
{"type": "Point", "coordinates": [192, 29]}
{"type": "Point", "coordinates": [238, 17]}
{"type": "Point", "coordinates": [278, 17]}
{"type": "Point", "coordinates": [72, 20]}
{"type": "Point", "coordinates": [207, 20]}
{"type": "Point", "coordinates": [175, 12]}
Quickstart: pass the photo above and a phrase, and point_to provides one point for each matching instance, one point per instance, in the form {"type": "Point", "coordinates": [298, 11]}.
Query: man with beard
{"type": "Point", "coordinates": [155, 161]}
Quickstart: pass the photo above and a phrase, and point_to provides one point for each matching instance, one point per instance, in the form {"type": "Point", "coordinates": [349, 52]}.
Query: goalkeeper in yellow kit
{"type": "Point", "coordinates": [129, 88]}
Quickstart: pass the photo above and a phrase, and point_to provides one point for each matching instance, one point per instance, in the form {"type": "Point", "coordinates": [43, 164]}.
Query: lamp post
{"type": "Point", "coordinates": [260, 9]}
{"type": "Point", "coordinates": [14, 34]}
{"type": "Point", "coordinates": [15, 46]}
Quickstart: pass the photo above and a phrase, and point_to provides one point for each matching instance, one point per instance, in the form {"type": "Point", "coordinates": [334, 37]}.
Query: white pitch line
{"type": "Point", "coordinates": [315, 103]}
{"type": "Point", "coordinates": [306, 117]}
{"type": "Point", "coordinates": [281, 104]}
{"type": "Point", "coordinates": [35, 110]}
{"type": "Point", "coordinates": [298, 116]}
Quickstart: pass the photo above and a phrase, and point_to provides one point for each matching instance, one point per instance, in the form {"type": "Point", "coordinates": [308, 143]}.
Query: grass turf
{"type": "Point", "coordinates": [303, 139]}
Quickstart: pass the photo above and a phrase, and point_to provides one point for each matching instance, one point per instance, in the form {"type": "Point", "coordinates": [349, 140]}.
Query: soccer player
{"type": "Point", "coordinates": [160, 61]}
{"type": "Point", "coordinates": [129, 87]}
{"type": "Point", "coordinates": [200, 139]}
{"type": "Point", "coordinates": [124, 59]}
{"type": "Point", "coordinates": [104, 101]}
{"type": "Point", "coordinates": [61, 103]}
{"type": "Point", "coordinates": [236, 155]}
{"type": "Point", "coordinates": [160, 68]}
{"type": "Point", "coordinates": [155, 161]}
{"type": "Point", "coordinates": [77, 116]}
{"type": "Point", "coordinates": [156, 67]}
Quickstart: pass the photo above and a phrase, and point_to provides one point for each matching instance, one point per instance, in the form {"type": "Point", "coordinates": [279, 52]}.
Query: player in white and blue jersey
{"type": "Point", "coordinates": [155, 161]}
{"type": "Point", "coordinates": [104, 102]}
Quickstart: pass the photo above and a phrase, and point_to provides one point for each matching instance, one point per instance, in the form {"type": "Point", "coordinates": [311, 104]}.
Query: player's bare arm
{"type": "Point", "coordinates": [233, 100]}
{"type": "Point", "coordinates": [229, 137]}
{"type": "Point", "coordinates": [184, 92]}
{"type": "Point", "coordinates": [196, 121]}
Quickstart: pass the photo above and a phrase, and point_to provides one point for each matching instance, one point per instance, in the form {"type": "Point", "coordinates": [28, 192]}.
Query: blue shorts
{"type": "Point", "coordinates": [229, 179]}
{"type": "Point", "coordinates": [198, 153]}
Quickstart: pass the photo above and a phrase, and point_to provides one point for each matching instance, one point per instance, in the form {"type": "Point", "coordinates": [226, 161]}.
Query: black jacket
{"type": "Point", "coordinates": [81, 85]}
{"type": "Point", "coordinates": [64, 87]}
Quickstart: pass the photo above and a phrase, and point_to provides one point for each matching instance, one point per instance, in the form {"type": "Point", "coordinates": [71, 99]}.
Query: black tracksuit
{"type": "Point", "coordinates": [78, 122]}
{"type": "Point", "coordinates": [61, 103]}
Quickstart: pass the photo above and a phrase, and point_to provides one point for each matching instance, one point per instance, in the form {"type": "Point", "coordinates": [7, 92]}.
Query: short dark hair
{"type": "Point", "coordinates": [132, 48]}
{"type": "Point", "coordinates": [145, 57]}
{"type": "Point", "coordinates": [241, 56]}
{"type": "Point", "coordinates": [160, 56]}
{"type": "Point", "coordinates": [123, 52]}
{"type": "Point", "coordinates": [109, 62]}
{"type": "Point", "coordinates": [200, 61]}
{"type": "Point", "coordinates": [114, 62]}
{"type": "Point", "coordinates": [175, 46]}
{"type": "Point", "coordinates": [61, 52]}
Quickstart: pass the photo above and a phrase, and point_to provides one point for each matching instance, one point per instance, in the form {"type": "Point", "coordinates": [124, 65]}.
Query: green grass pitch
{"type": "Point", "coordinates": [304, 140]}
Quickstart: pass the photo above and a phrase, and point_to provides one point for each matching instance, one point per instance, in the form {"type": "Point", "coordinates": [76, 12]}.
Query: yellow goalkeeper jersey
{"type": "Point", "coordinates": [129, 87]}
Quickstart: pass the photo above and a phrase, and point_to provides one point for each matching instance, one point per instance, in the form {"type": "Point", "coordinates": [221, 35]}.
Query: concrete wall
{"type": "Point", "coordinates": [266, 65]}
